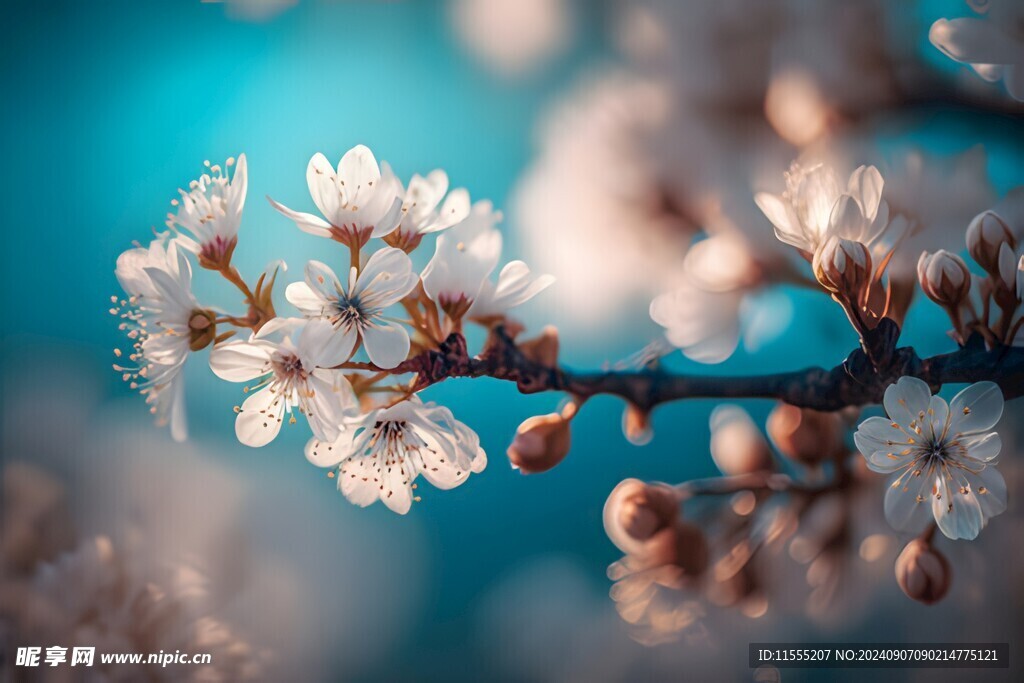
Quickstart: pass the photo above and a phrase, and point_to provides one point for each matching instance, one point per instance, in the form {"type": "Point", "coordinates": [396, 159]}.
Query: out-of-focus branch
{"type": "Point", "coordinates": [855, 382]}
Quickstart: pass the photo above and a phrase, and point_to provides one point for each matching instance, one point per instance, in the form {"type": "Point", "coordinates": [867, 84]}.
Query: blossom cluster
{"type": "Point", "coordinates": [357, 324]}
{"type": "Point", "coordinates": [371, 333]}
{"type": "Point", "coordinates": [942, 455]}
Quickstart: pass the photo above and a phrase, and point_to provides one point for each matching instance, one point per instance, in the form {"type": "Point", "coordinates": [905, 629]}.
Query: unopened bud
{"type": "Point", "coordinates": [737, 445]}
{"type": "Point", "coordinates": [843, 266]}
{"type": "Point", "coordinates": [804, 435]}
{"type": "Point", "coordinates": [636, 425]}
{"type": "Point", "coordinates": [647, 511]}
{"type": "Point", "coordinates": [922, 572]}
{"type": "Point", "coordinates": [541, 442]}
{"type": "Point", "coordinates": [944, 278]}
{"type": "Point", "coordinates": [543, 349]}
{"type": "Point", "coordinates": [986, 235]}
{"type": "Point", "coordinates": [643, 521]}
{"type": "Point", "coordinates": [635, 511]}
{"type": "Point", "coordinates": [202, 329]}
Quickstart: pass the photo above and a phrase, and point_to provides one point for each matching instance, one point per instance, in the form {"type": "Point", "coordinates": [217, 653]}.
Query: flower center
{"type": "Point", "coordinates": [350, 313]}
{"type": "Point", "coordinates": [289, 367]}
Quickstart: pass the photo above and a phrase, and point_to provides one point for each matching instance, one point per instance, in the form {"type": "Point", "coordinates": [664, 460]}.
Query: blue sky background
{"type": "Point", "coordinates": [109, 107]}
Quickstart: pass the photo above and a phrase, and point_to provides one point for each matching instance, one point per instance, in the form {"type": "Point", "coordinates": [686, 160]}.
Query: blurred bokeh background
{"type": "Point", "coordinates": [611, 134]}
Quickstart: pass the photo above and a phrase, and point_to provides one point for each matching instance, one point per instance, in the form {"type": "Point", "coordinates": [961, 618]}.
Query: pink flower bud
{"type": "Point", "coordinates": [636, 425]}
{"type": "Point", "coordinates": [922, 572]}
{"type": "Point", "coordinates": [643, 521]}
{"type": "Point", "coordinates": [737, 445]}
{"type": "Point", "coordinates": [806, 436]}
{"type": "Point", "coordinates": [843, 266]}
{"type": "Point", "coordinates": [986, 235]}
{"type": "Point", "coordinates": [944, 278]}
{"type": "Point", "coordinates": [635, 511]}
{"type": "Point", "coordinates": [541, 442]}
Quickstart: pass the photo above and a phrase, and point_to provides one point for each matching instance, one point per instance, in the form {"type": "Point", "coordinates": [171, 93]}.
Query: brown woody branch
{"type": "Point", "coordinates": [855, 382]}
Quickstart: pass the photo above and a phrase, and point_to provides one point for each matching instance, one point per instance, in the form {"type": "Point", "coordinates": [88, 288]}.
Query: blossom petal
{"type": "Point", "coordinates": [516, 285]}
{"type": "Point", "coordinates": [906, 400]}
{"type": "Point", "coordinates": [906, 503]}
{"type": "Point", "coordinates": [440, 471]}
{"type": "Point", "coordinates": [1008, 266]}
{"type": "Point", "coordinates": [260, 418]}
{"type": "Point", "coordinates": [387, 344]}
{"type": "Point", "coordinates": [990, 488]}
{"type": "Point", "coordinates": [397, 481]}
{"type": "Point", "coordinates": [322, 280]}
{"type": "Point", "coordinates": [847, 219]}
{"type": "Point", "coordinates": [326, 453]}
{"type": "Point", "coordinates": [302, 296]}
{"type": "Point", "coordinates": [976, 409]}
{"type": "Point", "coordinates": [781, 215]}
{"type": "Point", "coordinates": [866, 185]}
{"type": "Point", "coordinates": [323, 185]}
{"type": "Point", "coordinates": [357, 171]}
{"type": "Point", "coordinates": [321, 345]}
{"type": "Point", "coordinates": [982, 447]}
{"type": "Point", "coordinates": [241, 361]}
{"type": "Point", "coordinates": [280, 327]}
{"type": "Point", "coordinates": [306, 222]}
{"type": "Point", "coordinates": [884, 447]}
{"type": "Point", "coordinates": [956, 509]}
{"type": "Point", "coordinates": [239, 186]}
{"type": "Point", "coordinates": [359, 480]}
{"type": "Point", "coordinates": [1013, 79]}
{"type": "Point", "coordinates": [169, 291]}
{"type": "Point", "coordinates": [390, 220]}
{"type": "Point", "coordinates": [972, 40]}
{"type": "Point", "coordinates": [384, 279]}
{"type": "Point", "coordinates": [937, 419]}
{"type": "Point", "coordinates": [454, 209]}
{"type": "Point", "coordinates": [324, 407]}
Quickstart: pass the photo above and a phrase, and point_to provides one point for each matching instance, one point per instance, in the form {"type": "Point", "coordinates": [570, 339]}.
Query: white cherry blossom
{"type": "Point", "coordinates": [356, 307]}
{"type": "Point", "coordinates": [159, 317]}
{"type": "Point", "coordinates": [993, 45]}
{"type": "Point", "coordinates": [290, 375]}
{"type": "Point", "coordinates": [210, 212]}
{"type": "Point", "coordinates": [381, 453]}
{"type": "Point", "coordinates": [516, 285]}
{"type": "Point", "coordinates": [464, 257]}
{"type": "Point", "coordinates": [358, 201]}
{"type": "Point", "coordinates": [943, 456]}
{"type": "Point", "coordinates": [815, 207]}
{"type": "Point", "coordinates": [704, 324]}
{"type": "Point", "coordinates": [424, 212]}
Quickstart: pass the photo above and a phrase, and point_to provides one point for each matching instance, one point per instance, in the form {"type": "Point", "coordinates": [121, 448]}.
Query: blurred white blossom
{"type": "Point", "coordinates": [992, 45]}
{"type": "Point", "coordinates": [513, 37]}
